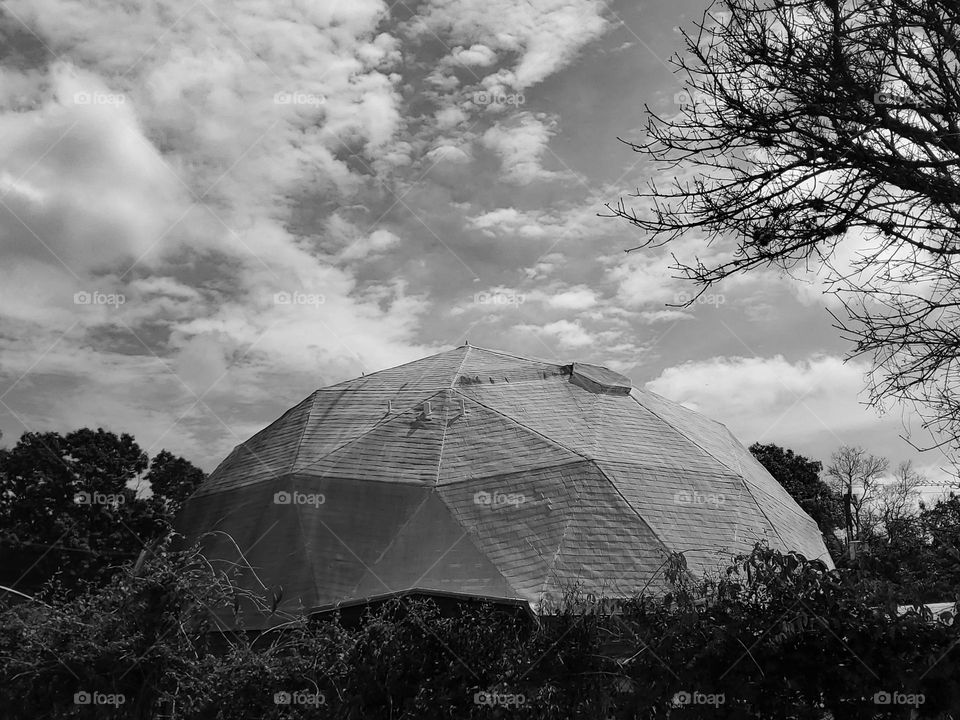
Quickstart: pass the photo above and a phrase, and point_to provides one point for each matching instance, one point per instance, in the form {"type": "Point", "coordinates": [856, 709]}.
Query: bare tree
{"type": "Point", "coordinates": [815, 123]}
{"type": "Point", "coordinates": [898, 498]}
{"type": "Point", "coordinates": [857, 476]}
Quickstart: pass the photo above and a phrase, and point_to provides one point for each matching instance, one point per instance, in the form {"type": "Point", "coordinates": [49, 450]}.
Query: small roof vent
{"type": "Point", "coordinates": [599, 379]}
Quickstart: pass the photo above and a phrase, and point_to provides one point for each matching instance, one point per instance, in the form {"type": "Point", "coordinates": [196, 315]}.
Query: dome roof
{"type": "Point", "coordinates": [476, 472]}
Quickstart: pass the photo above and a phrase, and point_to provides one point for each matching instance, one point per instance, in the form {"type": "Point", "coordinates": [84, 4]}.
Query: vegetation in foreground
{"type": "Point", "coordinates": [775, 636]}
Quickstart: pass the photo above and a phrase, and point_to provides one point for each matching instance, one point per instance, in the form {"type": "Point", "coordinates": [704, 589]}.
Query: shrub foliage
{"type": "Point", "coordinates": [775, 636]}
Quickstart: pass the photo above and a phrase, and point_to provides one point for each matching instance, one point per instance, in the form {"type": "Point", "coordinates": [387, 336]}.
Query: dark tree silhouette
{"type": "Point", "coordinates": [173, 479]}
{"type": "Point", "coordinates": [815, 123]}
{"type": "Point", "coordinates": [68, 507]}
{"type": "Point", "coordinates": [800, 477]}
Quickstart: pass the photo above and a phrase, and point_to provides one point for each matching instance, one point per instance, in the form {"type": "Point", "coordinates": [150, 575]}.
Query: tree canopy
{"type": "Point", "coordinates": [69, 506]}
{"type": "Point", "coordinates": [800, 477]}
{"type": "Point", "coordinates": [815, 125]}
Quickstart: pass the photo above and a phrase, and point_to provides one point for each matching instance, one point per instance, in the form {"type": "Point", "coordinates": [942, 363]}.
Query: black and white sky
{"type": "Point", "coordinates": [209, 209]}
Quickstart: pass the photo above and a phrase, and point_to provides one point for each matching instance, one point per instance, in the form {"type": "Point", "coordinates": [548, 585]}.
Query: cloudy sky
{"type": "Point", "coordinates": [209, 209]}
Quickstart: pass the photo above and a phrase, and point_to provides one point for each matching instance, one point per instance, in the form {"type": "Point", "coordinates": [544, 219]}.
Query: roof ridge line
{"type": "Point", "coordinates": [466, 534]}
{"type": "Point", "coordinates": [702, 449]}
{"type": "Point", "coordinates": [636, 512]}
{"type": "Point", "coordinates": [515, 421]}
{"type": "Point", "coordinates": [517, 357]}
{"type": "Point", "coordinates": [443, 436]}
{"type": "Point", "coordinates": [242, 446]}
{"type": "Point", "coordinates": [510, 474]}
{"type": "Point", "coordinates": [383, 421]}
{"type": "Point", "coordinates": [369, 570]}
{"type": "Point", "coordinates": [552, 565]}
{"type": "Point", "coordinates": [303, 432]}
{"type": "Point", "coordinates": [472, 537]}
{"type": "Point", "coordinates": [453, 380]}
{"type": "Point", "coordinates": [392, 367]}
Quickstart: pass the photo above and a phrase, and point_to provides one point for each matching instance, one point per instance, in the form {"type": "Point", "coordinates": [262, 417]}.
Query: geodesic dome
{"type": "Point", "coordinates": [478, 473]}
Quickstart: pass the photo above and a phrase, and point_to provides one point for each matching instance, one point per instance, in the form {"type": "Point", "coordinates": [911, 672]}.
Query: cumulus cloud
{"type": "Point", "coordinates": [374, 243]}
{"type": "Point", "coordinates": [476, 55]}
{"type": "Point", "coordinates": [568, 298]}
{"type": "Point", "coordinates": [520, 144]}
{"type": "Point", "coordinates": [509, 221]}
{"type": "Point", "coordinates": [81, 187]}
{"type": "Point", "coordinates": [759, 398]}
{"type": "Point", "coordinates": [154, 179]}
{"type": "Point", "coordinates": [544, 266]}
{"type": "Point", "coordinates": [448, 154]}
{"type": "Point", "coordinates": [543, 35]}
{"type": "Point", "coordinates": [568, 333]}
{"type": "Point", "coordinates": [449, 117]}
{"type": "Point", "coordinates": [648, 275]}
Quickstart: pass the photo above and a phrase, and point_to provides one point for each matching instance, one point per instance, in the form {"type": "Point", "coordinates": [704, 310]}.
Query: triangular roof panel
{"type": "Point", "coordinates": [478, 472]}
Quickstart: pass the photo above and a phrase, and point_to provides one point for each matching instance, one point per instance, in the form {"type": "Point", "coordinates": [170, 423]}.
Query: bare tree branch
{"type": "Point", "coordinates": [811, 124]}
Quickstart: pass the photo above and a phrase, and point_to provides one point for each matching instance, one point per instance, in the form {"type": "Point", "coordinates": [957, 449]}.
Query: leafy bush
{"type": "Point", "coordinates": [776, 636]}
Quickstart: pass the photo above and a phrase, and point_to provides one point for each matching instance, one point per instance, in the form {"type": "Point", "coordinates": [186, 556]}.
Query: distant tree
{"type": "Point", "coordinates": [899, 498]}
{"type": "Point", "coordinates": [941, 528]}
{"type": "Point", "coordinates": [800, 477]}
{"type": "Point", "coordinates": [808, 125]}
{"type": "Point", "coordinates": [172, 479]}
{"type": "Point", "coordinates": [857, 476]}
{"type": "Point", "coordinates": [917, 557]}
{"type": "Point", "coordinates": [67, 508]}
